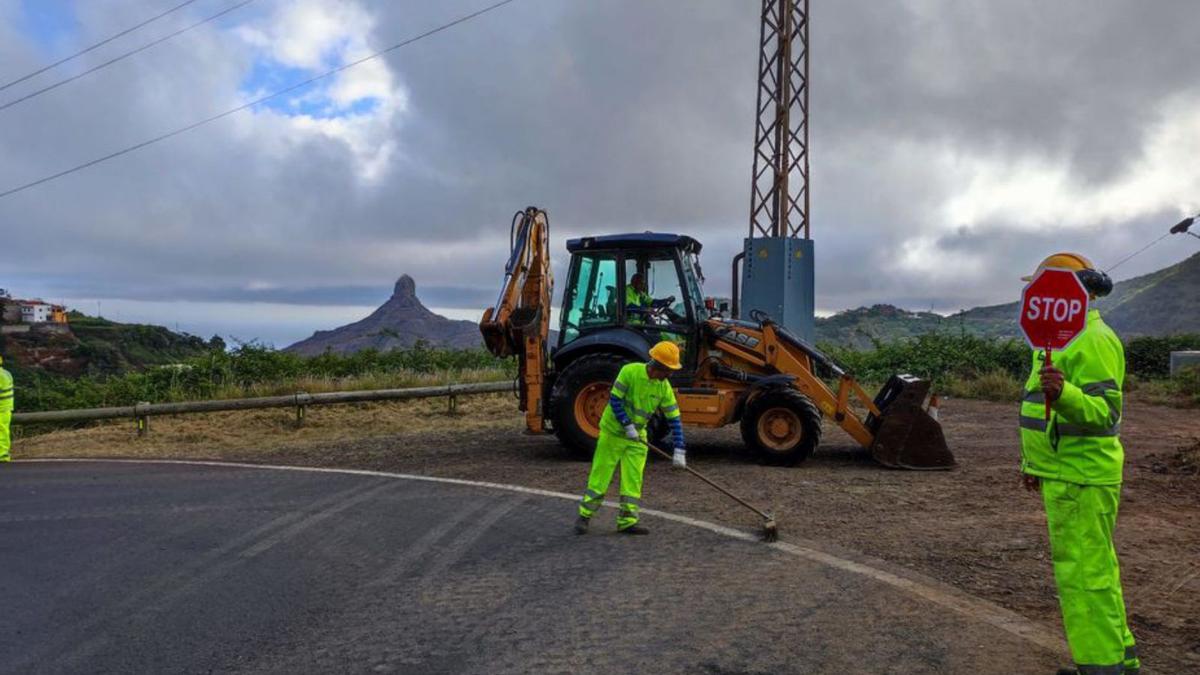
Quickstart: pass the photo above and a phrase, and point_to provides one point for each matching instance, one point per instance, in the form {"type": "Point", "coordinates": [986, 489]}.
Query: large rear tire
{"type": "Point", "coordinates": [782, 426]}
{"type": "Point", "coordinates": [578, 400]}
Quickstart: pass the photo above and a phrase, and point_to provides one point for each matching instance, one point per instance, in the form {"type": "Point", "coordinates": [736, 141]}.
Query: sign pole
{"type": "Point", "coordinates": [1046, 399]}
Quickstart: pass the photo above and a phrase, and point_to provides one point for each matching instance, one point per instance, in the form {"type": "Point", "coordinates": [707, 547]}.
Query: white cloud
{"type": "Point", "coordinates": [1031, 192]}
{"type": "Point", "coordinates": [358, 107]}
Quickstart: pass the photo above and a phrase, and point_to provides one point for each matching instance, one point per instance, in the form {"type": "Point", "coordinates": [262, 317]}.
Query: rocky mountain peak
{"type": "Point", "coordinates": [406, 288]}
{"type": "Point", "coordinates": [396, 324]}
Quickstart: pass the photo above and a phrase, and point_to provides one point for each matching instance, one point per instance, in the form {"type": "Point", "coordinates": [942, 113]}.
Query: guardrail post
{"type": "Point", "coordinates": [141, 418]}
{"type": "Point", "coordinates": [302, 399]}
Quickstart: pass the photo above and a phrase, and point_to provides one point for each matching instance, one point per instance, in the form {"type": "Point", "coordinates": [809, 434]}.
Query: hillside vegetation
{"type": "Point", "coordinates": [98, 347]}
{"type": "Point", "coordinates": [254, 370]}
{"type": "Point", "coordinates": [1166, 302]}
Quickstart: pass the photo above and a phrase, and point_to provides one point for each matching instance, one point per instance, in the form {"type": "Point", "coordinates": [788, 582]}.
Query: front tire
{"type": "Point", "coordinates": [782, 426]}
{"type": "Point", "coordinates": [578, 400]}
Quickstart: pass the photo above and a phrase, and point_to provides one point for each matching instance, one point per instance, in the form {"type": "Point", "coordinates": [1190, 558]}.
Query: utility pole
{"type": "Point", "coordinates": [777, 273]}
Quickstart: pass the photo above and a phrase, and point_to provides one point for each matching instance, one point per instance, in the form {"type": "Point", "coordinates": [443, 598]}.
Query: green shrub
{"type": "Point", "coordinates": [1151, 356]}
{"type": "Point", "coordinates": [936, 356]}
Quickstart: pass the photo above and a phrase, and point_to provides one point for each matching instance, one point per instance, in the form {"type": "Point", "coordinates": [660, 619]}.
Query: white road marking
{"type": "Point", "coordinates": [933, 591]}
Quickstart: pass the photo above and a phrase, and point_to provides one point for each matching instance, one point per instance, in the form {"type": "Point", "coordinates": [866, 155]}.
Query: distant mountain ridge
{"type": "Point", "coordinates": [397, 324]}
{"type": "Point", "coordinates": [1166, 302]}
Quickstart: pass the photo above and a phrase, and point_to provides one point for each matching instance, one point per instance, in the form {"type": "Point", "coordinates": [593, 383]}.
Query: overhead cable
{"type": "Point", "coordinates": [38, 92]}
{"type": "Point", "coordinates": [96, 45]}
{"type": "Point", "coordinates": [251, 104]}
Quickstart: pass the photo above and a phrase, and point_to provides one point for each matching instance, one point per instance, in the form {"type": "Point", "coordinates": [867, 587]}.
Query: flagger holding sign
{"type": "Point", "coordinates": [1071, 451]}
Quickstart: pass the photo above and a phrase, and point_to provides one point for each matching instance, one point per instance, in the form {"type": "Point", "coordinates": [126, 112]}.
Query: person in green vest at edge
{"type": "Point", "coordinates": [640, 391]}
{"type": "Point", "coordinates": [6, 407]}
{"type": "Point", "coordinates": [1076, 460]}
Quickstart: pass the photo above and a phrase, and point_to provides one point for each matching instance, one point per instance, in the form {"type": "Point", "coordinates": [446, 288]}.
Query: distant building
{"type": "Point", "coordinates": [34, 312]}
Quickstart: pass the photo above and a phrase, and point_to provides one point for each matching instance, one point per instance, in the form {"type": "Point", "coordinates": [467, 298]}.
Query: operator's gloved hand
{"type": "Point", "coordinates": [631, 433]}
{"type": "Point", "coordinates": [679, 458]}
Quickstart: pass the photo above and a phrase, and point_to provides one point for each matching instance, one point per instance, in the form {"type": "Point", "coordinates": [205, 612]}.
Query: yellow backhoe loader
{"type": "Point", "coordinates": [626, 292]}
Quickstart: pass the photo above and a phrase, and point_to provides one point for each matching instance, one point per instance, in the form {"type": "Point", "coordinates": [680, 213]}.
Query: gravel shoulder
{"type": "Point", "coordinates": [973, 527]}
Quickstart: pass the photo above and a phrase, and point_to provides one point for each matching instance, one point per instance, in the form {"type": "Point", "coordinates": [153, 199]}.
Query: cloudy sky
{"type": "Point", "coordinates": [954, 143]}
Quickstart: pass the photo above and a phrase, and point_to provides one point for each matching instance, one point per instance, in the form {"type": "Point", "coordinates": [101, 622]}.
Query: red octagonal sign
{"type": "Point", "coordinates": [1054, 309]}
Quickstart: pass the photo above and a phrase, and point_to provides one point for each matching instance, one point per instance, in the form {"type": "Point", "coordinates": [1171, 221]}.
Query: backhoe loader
{"type": "Point", "coordinates": [753, 372]}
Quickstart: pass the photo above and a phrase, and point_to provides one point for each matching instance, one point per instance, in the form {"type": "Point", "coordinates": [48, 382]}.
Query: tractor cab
{"type": "Point", "coordinates": [630, 291]}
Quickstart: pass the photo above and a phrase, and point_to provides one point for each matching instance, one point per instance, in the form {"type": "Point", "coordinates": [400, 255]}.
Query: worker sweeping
{"type": "Point", "coordinates": [1076, 459]}
{"type": "Point", "coordinates": [641, 390]}
{"type": "Point", "coordinates": [6, 406]}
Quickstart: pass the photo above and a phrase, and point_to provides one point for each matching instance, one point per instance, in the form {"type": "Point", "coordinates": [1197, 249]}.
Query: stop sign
{"type": "Point", "coordinates": [1054, 309]}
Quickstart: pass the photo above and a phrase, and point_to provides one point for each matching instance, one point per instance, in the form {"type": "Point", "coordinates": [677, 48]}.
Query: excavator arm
{"type": "Point", "coordinates": [519, 323]}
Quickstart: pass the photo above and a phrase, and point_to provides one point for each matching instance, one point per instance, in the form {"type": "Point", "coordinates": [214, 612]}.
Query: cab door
{"type": "Point", "coordinates": [671, 316]}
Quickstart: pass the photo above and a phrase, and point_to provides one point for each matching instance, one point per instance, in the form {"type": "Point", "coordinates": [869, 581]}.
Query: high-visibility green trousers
{"type": "Point", "coordinates": [612, 450]}
{"type": "Point", "coordinates": [5, 438]}
{"type": "Point", "coordinates": [1081, 520]}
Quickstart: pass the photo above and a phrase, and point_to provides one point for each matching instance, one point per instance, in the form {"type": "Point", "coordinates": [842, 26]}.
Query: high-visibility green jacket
{"type": "Point", "coordinates": [637, 300]}
{"type": "Point", "coordinates": [640, 397]}
{"type": "Point", "coordinates": [1081, 442]}
{"type": "Point", "coordinates": [6, 391]}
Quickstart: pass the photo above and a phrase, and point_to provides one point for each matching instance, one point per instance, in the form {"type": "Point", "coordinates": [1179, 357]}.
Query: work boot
{"type": "Point", "coordinates": [1075, 671]}
{"type": "Point", "coordinates": [581, 525]}
{"type": "Point", "coordinates": [634, 529]}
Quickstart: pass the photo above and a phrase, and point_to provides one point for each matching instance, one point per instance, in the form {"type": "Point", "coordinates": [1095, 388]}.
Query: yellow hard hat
{"type": "Point", "coordinates": [1066, 261]}
{"type": "Point", "coordinates": [666, 353]}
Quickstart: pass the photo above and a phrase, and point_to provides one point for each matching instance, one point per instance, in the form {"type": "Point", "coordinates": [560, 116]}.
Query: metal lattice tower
{"type": "Point", "coordinates": [779, 189]}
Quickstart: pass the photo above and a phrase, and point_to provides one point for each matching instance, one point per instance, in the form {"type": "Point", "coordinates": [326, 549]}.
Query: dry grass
{"type": "Point", "coordinates": [396, 379]}
{"type": "Point", "coordinates": [992, 386]}
{"type": "Point", "coordinates": [246, 434]}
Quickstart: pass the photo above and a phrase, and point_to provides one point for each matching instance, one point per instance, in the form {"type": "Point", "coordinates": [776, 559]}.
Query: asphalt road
{"type": "Point", "coordinates": [125, 567]}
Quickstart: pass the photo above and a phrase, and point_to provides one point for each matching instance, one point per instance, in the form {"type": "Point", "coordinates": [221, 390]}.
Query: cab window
{"type": "Point", "coordinates": [591, 296]}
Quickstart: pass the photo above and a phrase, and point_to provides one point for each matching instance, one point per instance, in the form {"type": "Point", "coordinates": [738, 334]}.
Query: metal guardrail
{"type": "Point", "coordinates": [143, 411]}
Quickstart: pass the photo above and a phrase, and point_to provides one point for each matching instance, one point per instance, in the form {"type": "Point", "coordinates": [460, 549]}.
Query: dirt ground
{"type": "Point", "coordinates": [972, 527]}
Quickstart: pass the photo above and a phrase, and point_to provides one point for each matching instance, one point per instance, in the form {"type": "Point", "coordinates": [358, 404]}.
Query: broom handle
{"type": "Point", "coordinates": [706, 479]}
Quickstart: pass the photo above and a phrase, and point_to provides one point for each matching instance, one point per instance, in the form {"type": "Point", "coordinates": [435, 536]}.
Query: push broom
{"type": "Point", "coordinates": [770, 529]}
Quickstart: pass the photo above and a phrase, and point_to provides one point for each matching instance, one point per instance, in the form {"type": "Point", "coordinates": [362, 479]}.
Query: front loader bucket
{"type": "Point", "coordinates": [494, 337]}
{"type": "Point", "coordinates": [906, 437]}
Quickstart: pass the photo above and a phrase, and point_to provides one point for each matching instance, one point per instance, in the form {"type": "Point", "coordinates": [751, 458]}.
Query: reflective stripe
{"type": "Point", "coordinates": [1098, 388]}
{"type": "Point", "coordinates": [593, 494]}
{"type": "Point", "coordinates": [670, 409]}
{"type": "Point", "coordinates": [639, 411]}
{"type": "Point", "coordinates": [1033, 423]}
{"type": "Point", "coordinates": [620, 386]}
{"type": "Point", "coordinates": [1065, 429]}
{"type": "Point", "coordinates": [630, 500]}
{"type": "Point", "coordinates": [1037, 396]}
{"type": "Point", "coordinates": [1118, 669]}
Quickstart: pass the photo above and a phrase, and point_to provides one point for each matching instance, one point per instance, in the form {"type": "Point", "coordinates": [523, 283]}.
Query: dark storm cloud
{"type": "Point", "coordinates": [615, 116]}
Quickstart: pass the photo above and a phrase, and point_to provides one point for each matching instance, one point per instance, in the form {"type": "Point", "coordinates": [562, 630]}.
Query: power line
{"type": "Point", "coordinates": [122, 57]}
{"type": "Point", "coordinates": [1129, 257]}
{"type": "Point", "coordinates": [268, 97]}
{"type": "Point", "coordinates": [101, 43]}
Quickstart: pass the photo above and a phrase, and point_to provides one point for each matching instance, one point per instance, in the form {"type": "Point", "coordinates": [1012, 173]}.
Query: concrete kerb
{"type": "Point", "coordinates": [912, 583]}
